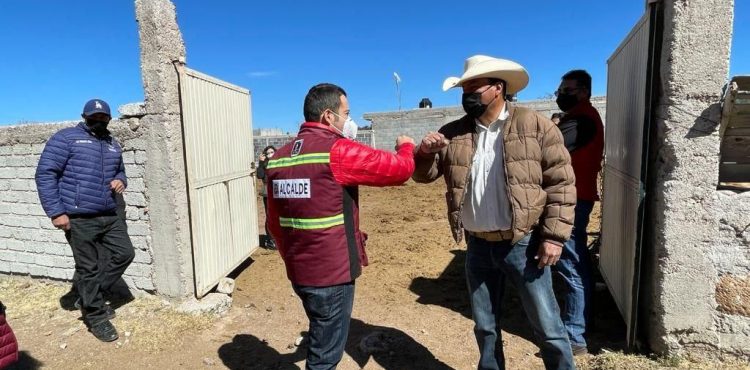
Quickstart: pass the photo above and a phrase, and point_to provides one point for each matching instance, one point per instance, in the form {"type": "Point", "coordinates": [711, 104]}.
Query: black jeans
{"type": "Point", "coordinates": [89, 236]}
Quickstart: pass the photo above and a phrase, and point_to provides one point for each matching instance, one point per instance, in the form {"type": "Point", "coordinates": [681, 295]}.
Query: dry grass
{"type": "Point", "coordinates": [618, 361]}
{"type": "Point", "coordinates": [147, 323]}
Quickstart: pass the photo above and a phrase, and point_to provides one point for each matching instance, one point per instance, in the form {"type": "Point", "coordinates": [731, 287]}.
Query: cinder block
{"type": "Point", "coordinates": [26, 258]}
{"type": "Point", "coordinates": [143, 257]}
{"type": "Point", "coordinates": [135, 199]}
{"type": "Point", "coordinates": [140, 157]}
{"type": "Point", "coordinates": [4, 266]}
{"type": "Point", "coordinates": [134, 171]}
{"type": "Point", "coordinates": [8, 173]}
{"type": "Point", "coordinates": [64, 262]}
{"type": "Point", "coordinates": [128, 157]}
{"type": "Point", "coordinates": [5, 231]}
{"type": "Point", "coordinates": [138, 229]}
{"type": "Point", "coordinates": [140, 242]}
{"type": "Point", "coordinates": [23, 185]}
{"type": "Point", "coordinates": [134, 213]}
{"type": "Point", "coordinates": [45, 260]}
{"type": "Point", "coordinates": [6, 149]}
{"type": "Point", "coordinates": [25, 172]}
{"type": "Point", "coordinates": [20, 209]}
{"type": "Point", "coordinates": [38, 271]}
{"type": "Point", "coordinates": [22, 149]}
{"type": "Point", "coordinates": [8, 256]}
{"type": "Point", "coordinates": [145, 284]}
{"type": "Point", "coordinates": [60, 274]}
{"type": "Point", "coordinates": [19, 268]}
{"type": "Point", "coordinates": [136, 185]}
{"type": "Point", "coordinates": [15, 245]}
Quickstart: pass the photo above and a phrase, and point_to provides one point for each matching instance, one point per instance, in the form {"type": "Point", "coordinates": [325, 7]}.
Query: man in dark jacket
{"type": "Point", "coordinates": [78, 175]}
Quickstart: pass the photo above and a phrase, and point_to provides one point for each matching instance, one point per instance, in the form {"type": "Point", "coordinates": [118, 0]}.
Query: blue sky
{"type": "Point", "coordinates": [58, 54]}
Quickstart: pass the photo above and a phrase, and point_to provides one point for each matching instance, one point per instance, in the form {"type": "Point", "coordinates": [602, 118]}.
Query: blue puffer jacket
{"type": "Point", "coordinates": [74, 173]}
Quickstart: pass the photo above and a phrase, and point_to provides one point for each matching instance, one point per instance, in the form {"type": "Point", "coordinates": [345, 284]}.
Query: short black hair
{"type": "Point", "coordinates": [320, 98]}
{"type": "Point", "coordinates": [581, 77]}
{"type": "Point", "coordinates": [495, 81]}
{"type": "Point", "coordinates": [556, 115]}
{"type": "Point", "coordinates": [265, 150]}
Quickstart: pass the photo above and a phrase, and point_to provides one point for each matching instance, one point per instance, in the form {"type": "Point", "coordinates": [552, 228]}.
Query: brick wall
{"type": "Point", "coordinates": [29, 244]}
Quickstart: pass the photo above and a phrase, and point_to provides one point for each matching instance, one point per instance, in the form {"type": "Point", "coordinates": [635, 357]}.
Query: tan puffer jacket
{"type": "Point", "coordinates": [539, 177]}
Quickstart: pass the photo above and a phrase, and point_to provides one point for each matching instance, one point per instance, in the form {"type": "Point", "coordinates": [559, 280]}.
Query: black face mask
{"type": "Point", "coordinates": [566, 102]}
{"type": "Point", "coordinates": [99, 128]}
{"type": "Point", "coordinates": [472, 103]}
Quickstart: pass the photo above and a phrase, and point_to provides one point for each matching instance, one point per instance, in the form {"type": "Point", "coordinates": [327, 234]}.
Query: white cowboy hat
{"type": "Point", "coordinates": [482, 66]}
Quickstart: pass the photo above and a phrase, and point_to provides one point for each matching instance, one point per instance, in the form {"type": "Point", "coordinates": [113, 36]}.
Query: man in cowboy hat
{"type": "Point", "coordinates": [511, 192]}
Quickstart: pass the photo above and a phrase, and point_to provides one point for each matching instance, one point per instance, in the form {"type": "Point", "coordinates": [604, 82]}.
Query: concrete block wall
{"type": "Point", "coordinates": [29, 244]}
{"type": "Point", "coordinates": [259, 142]}
{"type": "Point", "coordinates": [387, 126]}
{"type": "Point", "coordinates": [697, 278]}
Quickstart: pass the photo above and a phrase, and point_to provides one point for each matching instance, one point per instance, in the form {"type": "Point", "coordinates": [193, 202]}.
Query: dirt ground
{"type": "Point", "coordinates": [410, 312]}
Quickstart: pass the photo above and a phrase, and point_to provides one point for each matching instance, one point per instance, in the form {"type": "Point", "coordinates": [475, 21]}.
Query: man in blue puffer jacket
{"type": "Point", "coordinates": [79, 172]}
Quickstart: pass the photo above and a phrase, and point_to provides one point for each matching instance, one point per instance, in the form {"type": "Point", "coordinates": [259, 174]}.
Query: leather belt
{"type": "Point", "coordinates": [493, 236]}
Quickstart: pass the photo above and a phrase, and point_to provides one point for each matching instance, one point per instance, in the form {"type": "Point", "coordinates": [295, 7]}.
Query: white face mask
{"type": "Point", "coordinates": [350, 128]}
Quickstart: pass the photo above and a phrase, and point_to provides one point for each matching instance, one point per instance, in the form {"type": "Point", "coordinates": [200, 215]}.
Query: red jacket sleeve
{"type": "Point", "coordinates": [274, 227]}
{"type": "Point", "coordinates": [353, 163]}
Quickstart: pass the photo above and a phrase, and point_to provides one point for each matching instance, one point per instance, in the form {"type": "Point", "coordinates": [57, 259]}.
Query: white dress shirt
{"type": "Point", "coordinates": [487, 203]}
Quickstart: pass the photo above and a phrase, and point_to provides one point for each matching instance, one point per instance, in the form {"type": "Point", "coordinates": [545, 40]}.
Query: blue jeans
{"type": "Point", "coordinates": [488, 265]}
{"type": "Point", "coordinates": [575, 267]}
{"type": "Point", "coordinates": [329, 310]}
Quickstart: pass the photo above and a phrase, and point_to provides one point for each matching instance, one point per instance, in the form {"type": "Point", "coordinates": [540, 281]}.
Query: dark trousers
{"type": "Point", "coordinates": [89, 237]}
{"type": "Point", "coordinates": [329, 310]}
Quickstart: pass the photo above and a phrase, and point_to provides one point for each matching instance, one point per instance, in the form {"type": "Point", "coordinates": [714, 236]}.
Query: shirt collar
{"type": "Point", "coordinates": [502, 117]}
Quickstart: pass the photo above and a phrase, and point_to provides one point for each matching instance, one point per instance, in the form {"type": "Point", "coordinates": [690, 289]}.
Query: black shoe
{"type": "Point", "coordinates": [68, 300]}
{"type": "Point", "coordinates": [111, 314]}
{"type": "Point", "coordinates": [104, 331]}
{"type": "Point", "coordinates": [270, 244]}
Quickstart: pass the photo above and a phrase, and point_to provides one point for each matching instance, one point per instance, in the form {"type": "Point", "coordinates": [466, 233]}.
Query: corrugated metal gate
{"type": "Point", "coordinates": [629, 88]}
{"type": "Point", "coordinates": [218, 141]}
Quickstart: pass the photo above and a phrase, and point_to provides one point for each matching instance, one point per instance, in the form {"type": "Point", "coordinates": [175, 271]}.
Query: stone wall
{"type": "Point", "coordinates": [29, 244]}
{"type": "Point", "coordinates": [387, 126]}
{"type": "Point", "coordinates": [698, 261]}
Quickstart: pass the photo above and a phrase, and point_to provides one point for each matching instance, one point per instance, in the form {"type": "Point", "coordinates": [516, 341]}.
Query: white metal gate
{"type": "Point", "coordinates": [217, 131]}
{"type": "Point", "coordinates": [628, 84]}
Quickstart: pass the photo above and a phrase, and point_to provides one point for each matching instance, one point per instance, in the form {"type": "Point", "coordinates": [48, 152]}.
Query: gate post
{"type": "Point", "coordinates": [694, 246]}
{"type": "Point", "coordinates": [161, 47]}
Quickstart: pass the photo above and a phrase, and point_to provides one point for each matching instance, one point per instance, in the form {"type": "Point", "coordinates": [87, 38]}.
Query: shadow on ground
{"type": "Point", "coordinates": [449, 290]}
{"type": "Point", "coordinates": [388, 347]}
{"type": "Point", "coordinates": [26, 362]}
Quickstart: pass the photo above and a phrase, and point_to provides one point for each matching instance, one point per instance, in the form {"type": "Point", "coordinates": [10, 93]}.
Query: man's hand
{"type": "Point", "coordinates": [433, 142]}
{"type": "Point", "coordinates": [117, 186]}
{"type": "Point", "coordinates": [548, 254]}
{"type": "Point", "coordinates": [61, 222]}
{"type": "Point", "coordinates": [403, 139]}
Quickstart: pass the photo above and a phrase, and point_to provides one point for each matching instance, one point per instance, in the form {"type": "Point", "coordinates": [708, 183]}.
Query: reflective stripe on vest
{"type": "Point", "coordinates": [312, 223]}
{"type": "Point", "coordinates": [311, 158]}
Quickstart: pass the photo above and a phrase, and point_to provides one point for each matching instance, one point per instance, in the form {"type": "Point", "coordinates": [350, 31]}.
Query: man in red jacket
{"type": "Point", "coordinates": [313, 213]}
{"type": "Point", "coordinates": [583, 133]}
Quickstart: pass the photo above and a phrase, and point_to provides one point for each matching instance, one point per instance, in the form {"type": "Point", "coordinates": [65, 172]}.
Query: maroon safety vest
{"type": "Point", "coordinates": [322, 244]}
